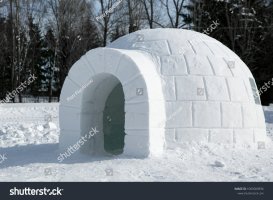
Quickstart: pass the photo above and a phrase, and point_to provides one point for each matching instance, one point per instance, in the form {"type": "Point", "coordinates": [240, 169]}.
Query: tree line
{"type": "Point", "coordinates": [47, 37]}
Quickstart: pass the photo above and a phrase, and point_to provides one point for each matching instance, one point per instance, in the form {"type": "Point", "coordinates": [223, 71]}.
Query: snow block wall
{"type": "Point", "coordinates": [180, 87]}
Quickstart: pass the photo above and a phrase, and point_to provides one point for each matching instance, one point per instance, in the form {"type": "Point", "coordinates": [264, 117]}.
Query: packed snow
{"type": "Point", "coordinates": [29, 135]}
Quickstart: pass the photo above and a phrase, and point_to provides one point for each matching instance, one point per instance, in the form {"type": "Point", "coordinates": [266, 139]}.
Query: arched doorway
{"type": "Point", "coordinates": [143, 100]}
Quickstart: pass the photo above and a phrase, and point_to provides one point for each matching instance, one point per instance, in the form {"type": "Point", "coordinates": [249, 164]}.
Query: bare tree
{"type": "Point", "coordinates": [174, 11]}
{"type": "Point", "coordinates": [152, 9]}
{"type": "Point", "coordinates": [70, 19]}
{"type": "Point", "coordinates": [135, 12]}
{"type": "Point", "coordinates": [104, 19]}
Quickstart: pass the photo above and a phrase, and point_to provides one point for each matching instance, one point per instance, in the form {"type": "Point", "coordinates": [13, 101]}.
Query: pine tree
{"type": "Point", "coordinates": [5, 56]}
{"type": "Point", "coordinates": [35, 57]}
{"type": "Point", "coordinates": [49, 69]}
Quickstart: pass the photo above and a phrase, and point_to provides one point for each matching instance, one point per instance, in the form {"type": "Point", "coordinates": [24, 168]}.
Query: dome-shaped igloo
{"type": "Point", "coordinates": [156, 89]}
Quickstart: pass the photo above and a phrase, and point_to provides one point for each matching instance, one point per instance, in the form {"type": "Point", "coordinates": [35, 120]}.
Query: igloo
{"type": "Point", "coordinates": [157, 89]}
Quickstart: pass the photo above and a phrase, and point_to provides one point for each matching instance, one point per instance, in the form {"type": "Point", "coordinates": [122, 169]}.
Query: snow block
{"type": "Point", "coordinates": [260, 117]}
{"type": "Point", "coordinates": [111, 60]}
{"type": "Point", "coordinates": [173, 65]}
{"type": "Point", "coordinates": [135, 90]}
{"type": "Point", "coordinates": [190, 88]}
{"type": "Point", "coordinates": [200, 47]}
{"type": "Point", "coordinates": [188, 135]}
{"type": "Point", "coordinates": [206, 115]}
{"type": "Point", "coordinates": [170, 142]}
{"type": "Point", "coordinates": [235, 68]}
{"type": "Point", "coordinates": [249, 115]}
{"type": "Point", "coordinates": [80, 73]}
{"type": "Point", "coordinates": [95, 60]}
{"type": "Point", "coordinates": [70, 118]}
{"type": "Point", "coordinates": [136, 121]}
{"type": "Point", "coordinates": [244, 137]}
{"type": "Point", "coordinates": [217, 48]}
{"type": "Point", "coordinates": [127, 70]}
{"type": "Point", "coordinates": [160, 47]}
{"type": "Point", "coordinates": [136, 145]}
{"type": "Point", "coordinates": [178, 114]}
{"type": "Point", "coordinates": [237, 90]}
{"type": "Point", "coordinates": [180, 47]}
{"type": "Point", "coordinates": [139, 107]}
{"type": "Point", "coordinates": [232, 115]}
{"type": "Point", "coordinates": [216, 89]}
{"type": "Point", "coordinates": [221, 136]}
{"type": "Point", "coordinates": [219, 66]}
{"type": "Point", "coordinates": [260, 135]}
{"type": "Point", "coordinates": [168, 87]}
{"type": "Point", "coordinates": [198, 65]}
{"type": "Point", "coordinates": [155, 88]}
{"type": "Point", "coordinates": [71, 94]}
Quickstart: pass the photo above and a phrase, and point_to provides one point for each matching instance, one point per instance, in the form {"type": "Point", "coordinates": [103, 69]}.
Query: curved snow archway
{"type": "Point", "coordinates": [86, 89]}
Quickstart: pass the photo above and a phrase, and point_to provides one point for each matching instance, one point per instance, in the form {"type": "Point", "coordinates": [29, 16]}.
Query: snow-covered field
{"type": "Point", "coordinates": [29, 150]}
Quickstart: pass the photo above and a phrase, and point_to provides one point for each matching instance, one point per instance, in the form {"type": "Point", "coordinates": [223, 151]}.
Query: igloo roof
{"type": "Point", "coordinates": [163, 41]}
{"type": "Point", "coordinates": [172, 42]}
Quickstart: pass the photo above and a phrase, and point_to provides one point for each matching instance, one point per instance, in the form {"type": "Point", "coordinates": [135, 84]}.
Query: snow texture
{"type": "Point", "coordinates": [30, 145]}
{"type": "Point", "coordinates": [162, 71]}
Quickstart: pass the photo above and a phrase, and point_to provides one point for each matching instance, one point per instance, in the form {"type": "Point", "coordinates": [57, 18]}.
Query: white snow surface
{"type": "Point", "coordinates": [29, 135]}
{"type": "Point", "coordinates": [174, 69]}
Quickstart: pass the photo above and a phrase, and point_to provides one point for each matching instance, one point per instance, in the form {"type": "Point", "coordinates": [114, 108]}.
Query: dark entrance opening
{"type": "Point", "coordinates": [114, 121]}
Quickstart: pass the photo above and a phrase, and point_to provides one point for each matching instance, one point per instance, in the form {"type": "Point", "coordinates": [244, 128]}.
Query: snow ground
{"type": "Point", "coordinates": [29, 142]}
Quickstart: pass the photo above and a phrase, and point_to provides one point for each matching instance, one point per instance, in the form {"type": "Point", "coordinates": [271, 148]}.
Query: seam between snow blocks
{"type": "Point", "coordinates": [192, 111]}
{"type": "Point", "coordinates": [192, 47]}
{"type": "Point", "coordinates": [175, 88]}
{"type": "Point", "coordinates": [221, 48]}
{"type": "Point", "coordinates": [89, 65]}
{"type": "Point", "coordinates": [74, 82]}
{"type": "Point", "coordinates": [228, 89]}
{"type": "Point", "coordinates": [118, 65]}
{"type": "Point", "coordinates": [187, 66]}
{"type": "Point", "coordinates": [169, 48]}
{"type": "Point", "coordinates": [221, 113]}
{"type": "Point", "coordinates": [226, 61]}
{"type": "Point", "coordinates": [242, 115]}
{"type": "Point", "coordinates": [211, 65]}
{"type": "Point", "coordinates": [132, 78]}
{"type": "Point", "coordinates": [205, 88]}
{"type": "Point", "coordinates": [208, 47]}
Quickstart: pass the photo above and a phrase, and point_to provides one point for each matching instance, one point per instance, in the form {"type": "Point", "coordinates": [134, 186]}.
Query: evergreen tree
{"type": "Point", "coordinates": [35, 57]}
{"type": "Point", "coordinates": [49, 69]}
{"type": "Point", "coordinates": [5, 56]}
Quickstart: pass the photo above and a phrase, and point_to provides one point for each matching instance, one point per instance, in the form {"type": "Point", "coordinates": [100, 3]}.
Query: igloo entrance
{"type": "Point", "coordinates": [143, 109]}
{"type": "Point", "coordinates": [103, 109]}
{"type": "Point", "coordinates": [114, 121]}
